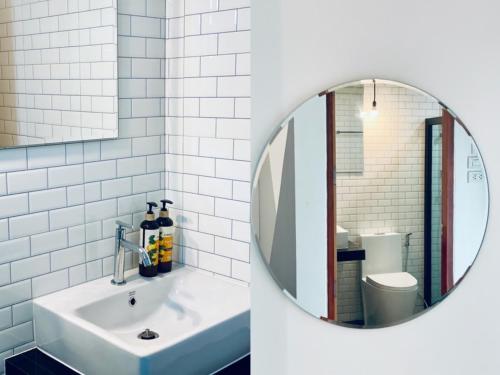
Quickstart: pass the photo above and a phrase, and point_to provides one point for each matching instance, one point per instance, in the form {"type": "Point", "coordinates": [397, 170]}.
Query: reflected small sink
{"type": "Point", "coordinates": [342, 238]}
{"type": "Point", "coordinates": [202, 324]}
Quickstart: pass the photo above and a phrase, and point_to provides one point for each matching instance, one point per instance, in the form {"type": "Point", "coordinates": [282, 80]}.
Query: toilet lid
{"type": "Point", "coordinates": [392, 281]}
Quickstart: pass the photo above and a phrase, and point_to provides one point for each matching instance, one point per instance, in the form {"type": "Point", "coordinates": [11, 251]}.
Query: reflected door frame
{"type": "Point", "coordinates": [447, 123]}
{"type": "Point", "coordinates": [331, 178]}
{"type": "Point", "coordinates": [429, 198]}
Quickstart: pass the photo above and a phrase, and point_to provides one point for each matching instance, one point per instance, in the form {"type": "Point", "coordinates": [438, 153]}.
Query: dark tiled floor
{"type": "Point", "coordinates": [34, 362]}
{"type": "Point", "coordinates": [242, 367]}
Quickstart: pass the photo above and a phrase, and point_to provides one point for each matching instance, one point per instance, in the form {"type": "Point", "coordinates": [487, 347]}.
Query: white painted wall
{"type": "Point", "coordinates": [451, 50]}
{"type": "Point", "coordinates": [310, 207]}
{"type": "Point", "coordinates": [470, 202]}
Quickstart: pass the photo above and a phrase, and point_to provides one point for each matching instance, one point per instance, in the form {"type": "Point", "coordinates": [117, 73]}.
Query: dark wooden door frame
{"type": "Point", "coordinates": [447, 202]}
{"type": "Point", "coordinates": [428, 200]}
{"type": "Point", "coordinates": [331, 206]}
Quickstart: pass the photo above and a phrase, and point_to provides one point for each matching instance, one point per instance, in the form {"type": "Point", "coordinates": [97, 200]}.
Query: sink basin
{"type": "Point", "coordinates": [342, 238]}
{"type": "Point", "coordinates": [202, 322]}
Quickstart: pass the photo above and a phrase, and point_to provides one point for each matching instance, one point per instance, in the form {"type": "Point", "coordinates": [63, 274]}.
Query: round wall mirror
{"type": "Point", "coordinates": [370, 203]}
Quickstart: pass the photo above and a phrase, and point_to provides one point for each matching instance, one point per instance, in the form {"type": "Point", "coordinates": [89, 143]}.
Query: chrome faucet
{"type": "Point", "coordinates": [120, 245]}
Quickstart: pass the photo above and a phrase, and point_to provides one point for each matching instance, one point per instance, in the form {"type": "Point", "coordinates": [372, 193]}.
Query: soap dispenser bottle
{"type": "Point", "coordinates": [149, 241]}
{"type": "Point", "coordinates": [166, 240]}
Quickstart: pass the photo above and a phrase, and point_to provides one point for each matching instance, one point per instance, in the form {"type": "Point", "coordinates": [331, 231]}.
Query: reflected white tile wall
{"type": "Point", "coordinates": [389, 195]}
{"type": "Point", "coordinates": [349, 146]}
{"type": "Point", "coordinates": [58, 79]}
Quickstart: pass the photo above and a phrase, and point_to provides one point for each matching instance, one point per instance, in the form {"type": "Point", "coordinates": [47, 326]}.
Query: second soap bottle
{"type": "Point", "coordinates": [150, 231]}
{"type": "Point", "coordinates": [166, 239]}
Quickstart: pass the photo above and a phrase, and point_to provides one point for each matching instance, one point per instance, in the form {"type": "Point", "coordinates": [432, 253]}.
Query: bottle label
{"type": "Point", "coordinates": [149, 241]}
{"type": "Point", "coordinates": [166, 244]}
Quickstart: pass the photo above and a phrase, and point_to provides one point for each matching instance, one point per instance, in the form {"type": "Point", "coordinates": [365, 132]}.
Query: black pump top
{"type": "Point", "coordinates": [150, 207]}
{"type": "Point", "coordinates": [164, 203]}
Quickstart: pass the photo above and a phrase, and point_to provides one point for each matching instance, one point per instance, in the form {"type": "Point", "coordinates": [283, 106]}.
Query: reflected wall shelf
{"type": "Point", "coordinates": [350, 132]}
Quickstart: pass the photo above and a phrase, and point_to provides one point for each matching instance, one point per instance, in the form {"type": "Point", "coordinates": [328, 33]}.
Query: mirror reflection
{"type": "Point", "coordinates": [370, 203]}
{"type": "Point", "coordinates": [58, 71]}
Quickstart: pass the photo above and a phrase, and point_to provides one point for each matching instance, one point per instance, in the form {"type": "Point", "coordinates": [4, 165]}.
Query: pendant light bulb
{"type": "Point", "coordinates": [374, 111]}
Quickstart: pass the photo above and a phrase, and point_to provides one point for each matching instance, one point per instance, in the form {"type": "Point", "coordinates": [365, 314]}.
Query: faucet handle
{"type": "Point", "coordinates": [122, 225]}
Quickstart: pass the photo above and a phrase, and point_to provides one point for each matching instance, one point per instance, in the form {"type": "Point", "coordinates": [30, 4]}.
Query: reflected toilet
{"type": "Point", "coordinates": [389, 294]}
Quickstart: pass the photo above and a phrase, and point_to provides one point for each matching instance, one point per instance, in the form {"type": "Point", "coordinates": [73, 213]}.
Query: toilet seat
{"type": "Point", "coordinates": [396, 281]}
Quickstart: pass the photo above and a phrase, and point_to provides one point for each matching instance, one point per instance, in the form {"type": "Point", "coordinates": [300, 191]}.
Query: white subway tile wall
{"type": "Point", "coordinates": [208, 133]}
{"type": "Point", "coordinates": [389, 195]}
{"type": "Point", "coordinates": [58, 204]}
{"type": "Point", "coordinates": [59, 71]}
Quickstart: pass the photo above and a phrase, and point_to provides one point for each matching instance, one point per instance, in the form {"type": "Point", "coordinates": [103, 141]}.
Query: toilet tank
{"type": "Point", "coordinates": [382, 253]}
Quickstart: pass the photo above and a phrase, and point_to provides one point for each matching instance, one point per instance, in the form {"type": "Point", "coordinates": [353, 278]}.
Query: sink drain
{"type": "Point", "coordinates": [148, 335]}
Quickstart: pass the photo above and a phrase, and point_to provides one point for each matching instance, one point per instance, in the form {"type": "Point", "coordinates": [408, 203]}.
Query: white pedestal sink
{"type": "Point", "coordinates": [203, 324]}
